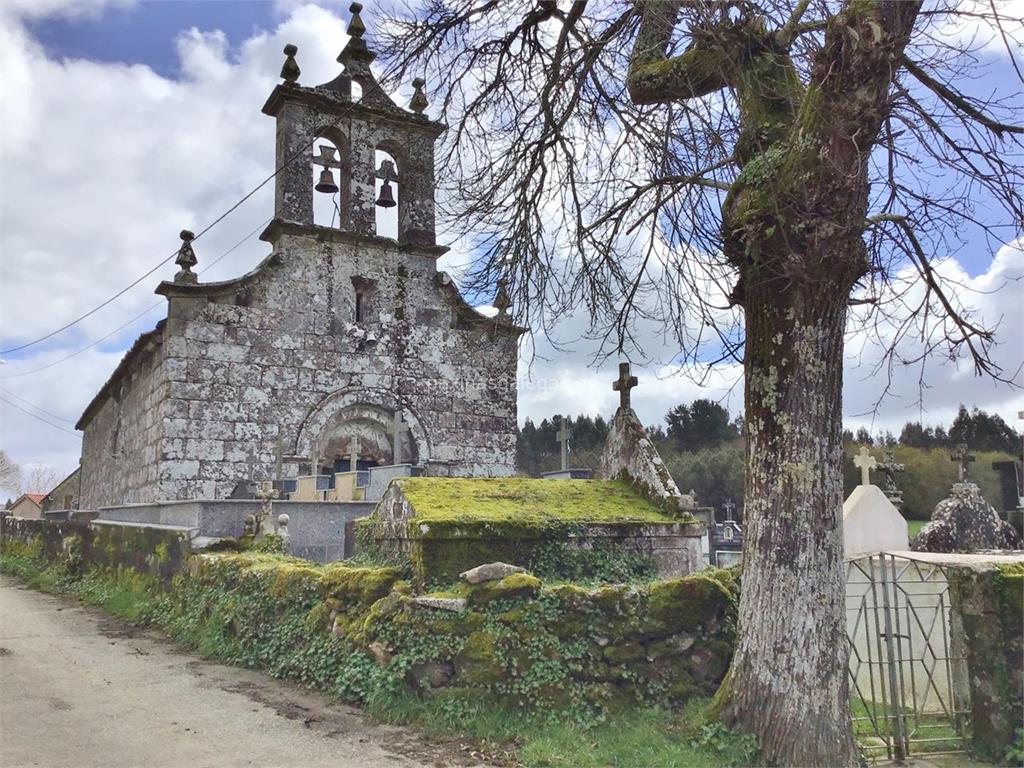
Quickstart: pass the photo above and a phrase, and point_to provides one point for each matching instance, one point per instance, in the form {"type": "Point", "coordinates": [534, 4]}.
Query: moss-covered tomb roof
{"type": "Point", "coordinates": [522, 499]}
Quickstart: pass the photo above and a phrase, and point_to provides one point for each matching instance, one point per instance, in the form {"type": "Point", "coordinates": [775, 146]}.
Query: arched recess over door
{"type": "Point", "coordinates": [327, 423]}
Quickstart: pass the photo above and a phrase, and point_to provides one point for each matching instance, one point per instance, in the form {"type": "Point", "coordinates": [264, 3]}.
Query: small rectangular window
{"type": "Point", "coordinates": [359, 306]}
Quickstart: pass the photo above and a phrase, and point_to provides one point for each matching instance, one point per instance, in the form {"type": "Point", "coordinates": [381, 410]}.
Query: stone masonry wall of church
{"type": "Point", "coordinates": [121, 453]}
{"type": "Point", "coordinates": [247, 367]}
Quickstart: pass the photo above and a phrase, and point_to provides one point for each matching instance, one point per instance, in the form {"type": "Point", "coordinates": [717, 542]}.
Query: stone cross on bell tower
{"type": "Point", "coordinates": [623, 385]}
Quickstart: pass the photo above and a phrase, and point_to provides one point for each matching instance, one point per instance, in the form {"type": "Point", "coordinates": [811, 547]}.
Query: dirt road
{"type": "Point", "coordinates": [79, 689]}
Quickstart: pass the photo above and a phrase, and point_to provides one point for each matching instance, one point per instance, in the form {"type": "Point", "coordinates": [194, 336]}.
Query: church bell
{"type": "Point", "coordinates": [326, 183]}
{"type": "Point", "coordinates": [386, 199]}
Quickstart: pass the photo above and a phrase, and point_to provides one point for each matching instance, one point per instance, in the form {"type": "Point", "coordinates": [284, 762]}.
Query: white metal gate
{"type": "Point", "coordinates": [908, 683]}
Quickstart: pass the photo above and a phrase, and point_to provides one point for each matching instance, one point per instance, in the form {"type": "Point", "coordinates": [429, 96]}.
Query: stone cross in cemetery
{"type": "Point", "coordinates": [266, 493]}
{"type": "Point", "coordinates": [314, 461]}
{"type": "Point", "coordinates": [963, 459]}
{"type": "Point", "coordinates": [400, 430]}
{"type": "Point", "coordinates": [866, 462]}
{"type": "Point", "coordinates": [890, 467]}
{"type": "Point", "coordinates": [623, 384]}
{"type": "Point", "coordinates": [353, 453]}
{"type": "Point", "coordinates": [278, 460]}
{"type": "Point", "coordinates": [563, 436]}
{"type": "Point", "coordinates": [729, 507]}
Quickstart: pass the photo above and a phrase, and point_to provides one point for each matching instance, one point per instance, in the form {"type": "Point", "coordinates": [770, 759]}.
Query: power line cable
{"type": "Point", "coordinates": [202, 232]}
{"type": "Point", "coordinates": [138, 316]}
{"type": "Point", "coordinates": [33, 405]}
{"type": "Point", "coordinates": [38, 418]}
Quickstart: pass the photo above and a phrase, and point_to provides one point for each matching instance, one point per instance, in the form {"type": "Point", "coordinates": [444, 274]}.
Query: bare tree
{"type": "Point", "coordinates": [40, 478]}
{"type": "Point", "coordinates": [10, 473]}
{"type": "Point", "coordinates": [750, 173]}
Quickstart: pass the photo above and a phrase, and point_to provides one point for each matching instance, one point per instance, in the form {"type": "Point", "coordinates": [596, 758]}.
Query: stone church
{"type": "Point", "coordinates": [342, 332]}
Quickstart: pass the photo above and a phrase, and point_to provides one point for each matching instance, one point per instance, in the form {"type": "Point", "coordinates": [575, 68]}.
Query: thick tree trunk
{"type": "Point", "coordinates": [788, 681]}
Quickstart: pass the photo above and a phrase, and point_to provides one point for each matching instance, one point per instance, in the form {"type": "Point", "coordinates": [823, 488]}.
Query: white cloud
{"type": "Point", "coordinates": [102, 164]}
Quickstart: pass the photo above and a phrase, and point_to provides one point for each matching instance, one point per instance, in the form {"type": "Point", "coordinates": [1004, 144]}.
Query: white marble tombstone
{"type": "Point", "coordinates": [871, 523]}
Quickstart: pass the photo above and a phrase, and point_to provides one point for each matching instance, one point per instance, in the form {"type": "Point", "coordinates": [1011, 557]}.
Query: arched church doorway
{"type": "Point", "coordinates": [360, 428]}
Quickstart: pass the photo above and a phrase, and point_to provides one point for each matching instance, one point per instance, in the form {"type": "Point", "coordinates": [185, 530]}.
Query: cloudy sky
{"type": "Point", "coordinates": [126, 122]}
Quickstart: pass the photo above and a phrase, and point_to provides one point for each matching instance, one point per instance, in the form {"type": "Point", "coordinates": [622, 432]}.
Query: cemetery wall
{"type": "Point", "coordinates": [155, 550]}
{"type": "Point", "coordinates": [990, 606]}
{"type": "Point", "coordinates": [316, 530]}
{"type": "Point", "coordinates": [514, 642]}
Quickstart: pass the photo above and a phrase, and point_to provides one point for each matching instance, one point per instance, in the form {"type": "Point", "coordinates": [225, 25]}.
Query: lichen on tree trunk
{"type": "Point", "coordinates": [792, 227]}
{"type": "Point", "coordinates": [788, 682]}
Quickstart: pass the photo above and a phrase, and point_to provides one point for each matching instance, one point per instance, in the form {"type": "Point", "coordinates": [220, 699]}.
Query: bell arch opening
{"type": "Point", "coordinates": [388, 193]}
{"type": "Point", "coordinates": [331, 180]}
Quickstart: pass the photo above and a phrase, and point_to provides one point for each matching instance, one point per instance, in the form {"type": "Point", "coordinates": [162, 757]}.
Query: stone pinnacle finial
{"type": "Point", "coordinates": [418, 102]}
{"type": "Point", "coordinates": [290, 71]}
{"type": "Point", "coordinates": [501, 300]}
{"type": "Point", "coordinates": [186, 259]}
{"type": "Point", "coordinates": [356, 28]}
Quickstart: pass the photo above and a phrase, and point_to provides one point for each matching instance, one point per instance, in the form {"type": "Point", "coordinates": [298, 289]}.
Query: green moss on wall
{"type": "Point", "coordinates": [526, 502]}
{"type": "Point", "coordinates": [990, 606]}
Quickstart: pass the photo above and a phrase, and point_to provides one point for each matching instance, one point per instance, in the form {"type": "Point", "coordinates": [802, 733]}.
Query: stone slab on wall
{"type": "Point", "coordinates": [381, 477]}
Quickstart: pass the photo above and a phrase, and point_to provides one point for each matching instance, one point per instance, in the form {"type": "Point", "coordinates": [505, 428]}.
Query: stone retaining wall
{"type": "Point", "coordinates": [155, 550]}
{"type": "Point", "coordinates": [509, 642]}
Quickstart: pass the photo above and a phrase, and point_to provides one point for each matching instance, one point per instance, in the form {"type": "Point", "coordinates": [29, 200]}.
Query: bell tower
{"type": "Point", "coordinates": [342, 128]}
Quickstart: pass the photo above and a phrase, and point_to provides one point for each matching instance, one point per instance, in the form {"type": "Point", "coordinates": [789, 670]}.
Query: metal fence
{"type": "Point", "coordinates": [908, 673]}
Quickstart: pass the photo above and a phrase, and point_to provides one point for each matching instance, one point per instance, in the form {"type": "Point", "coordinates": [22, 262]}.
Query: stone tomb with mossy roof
{"type": "Point", "coordinates": [596, 530]}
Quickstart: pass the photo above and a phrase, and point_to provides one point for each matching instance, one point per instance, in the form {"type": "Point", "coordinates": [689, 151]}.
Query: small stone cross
{"type": "Point", "coordinates": [327, 157]}
{"type": "Point", "coordinates": [890, 467]}
{"type": "Point", "coordinates": [730, 507]}
{"type": "Point", "coordinates": [266, 493]}
{"type": "Point", "coordinates": [400, 429]}
{"type": "Point", "coordinates": [963, 459]}
{"type": "Point", "coordinates": [623, 384]}
{"type": "Point", "coordinates": [866, 462]}
{"type": "Point", "coordinates": [563, 436]}
{"type": "Point", "coordinates": [314, 462]}
{"type": "Point", "coordinates": [278, 460]}
{"type": "Point", "coordinates": [353, 453]}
